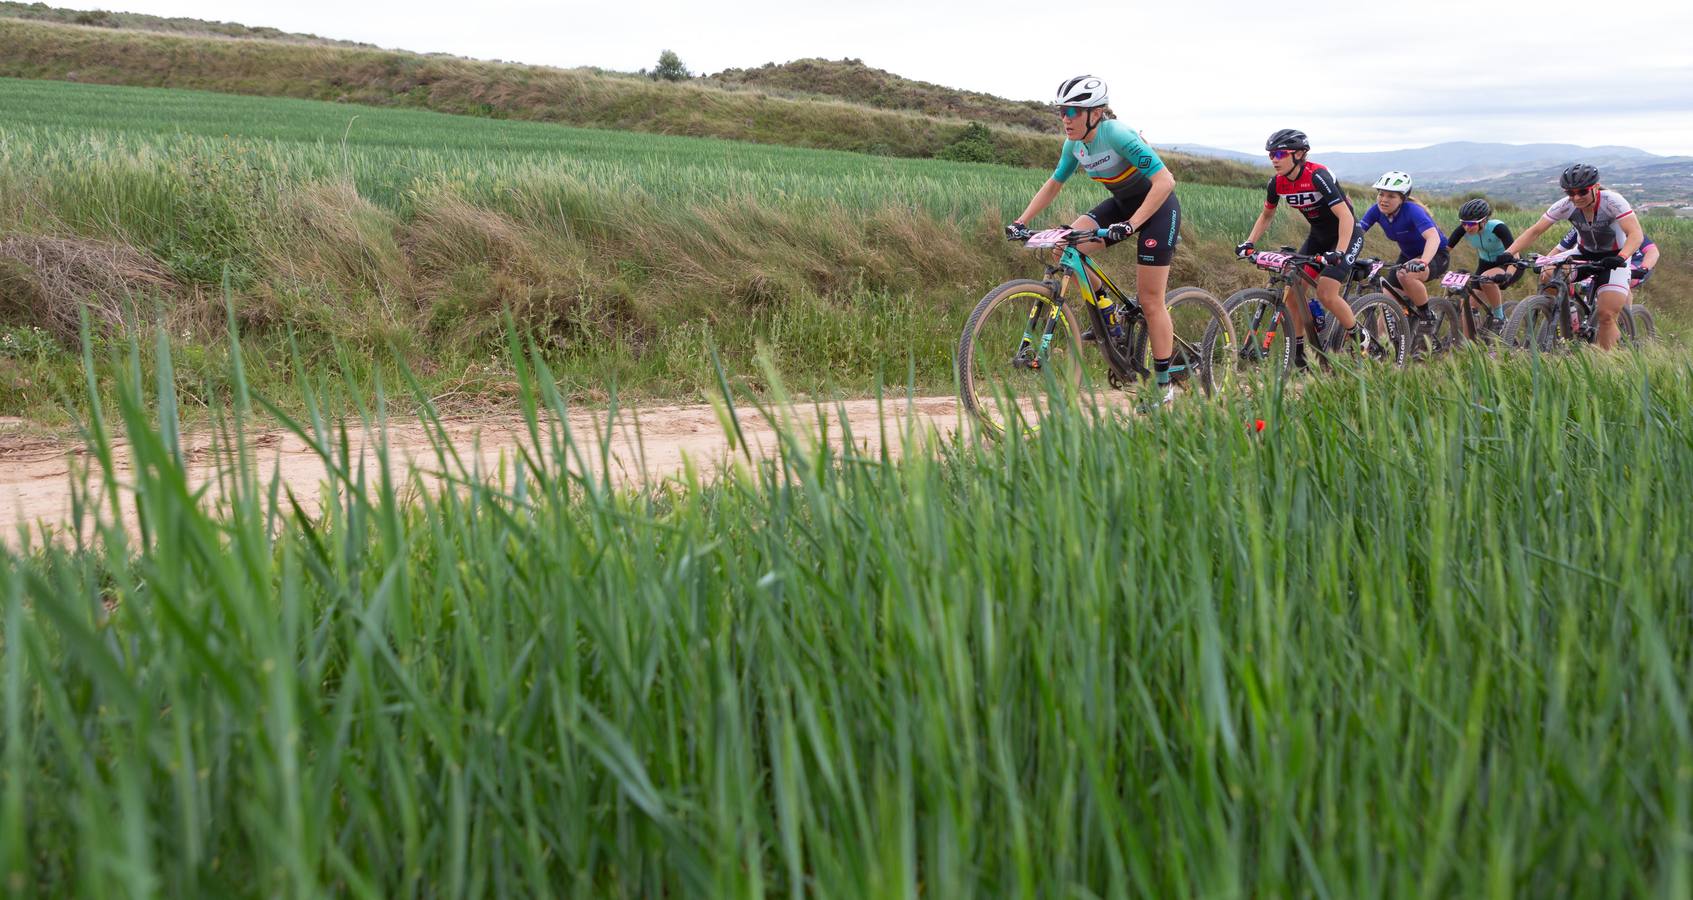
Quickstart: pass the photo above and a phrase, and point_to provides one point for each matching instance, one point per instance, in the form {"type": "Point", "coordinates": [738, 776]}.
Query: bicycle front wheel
{"type": "Point", "coordinates": [1262, 340]}
{"type": "Point", "coordinates": [1533, 325]}
{"type": "Point", "coordinates": [1020, 353]}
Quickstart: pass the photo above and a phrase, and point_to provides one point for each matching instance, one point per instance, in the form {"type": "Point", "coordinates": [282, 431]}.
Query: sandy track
{"type": "Point", "coordinates": [36, 475]}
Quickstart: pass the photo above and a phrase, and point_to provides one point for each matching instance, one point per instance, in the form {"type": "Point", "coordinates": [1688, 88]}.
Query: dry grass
{"type": "Point", "coordinates": [46, 281]}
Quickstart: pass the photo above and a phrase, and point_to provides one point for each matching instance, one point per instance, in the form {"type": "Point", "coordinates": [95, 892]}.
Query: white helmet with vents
{"type": "Point", "coordinates": [1394, 181]}
{"type": "Point", "coordinates": [1082, 90]}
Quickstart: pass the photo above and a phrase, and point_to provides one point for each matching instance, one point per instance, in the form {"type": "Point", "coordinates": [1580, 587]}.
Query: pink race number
{"type": "Point", "coordinates": [1455, 280]}
{"type": "Point", "coordinates": [1042, 240]}
{"type": "Point", "coordinates": [1272, 261]}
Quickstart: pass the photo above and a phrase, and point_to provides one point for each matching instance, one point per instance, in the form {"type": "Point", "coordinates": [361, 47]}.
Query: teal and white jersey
{"type": "Point", "coordinates": [1487, 241]}
{"type": "Point", "coordinates": [1116, 158]}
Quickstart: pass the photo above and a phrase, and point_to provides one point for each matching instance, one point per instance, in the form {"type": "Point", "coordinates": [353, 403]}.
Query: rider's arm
{"type": "Point", "coordinates": [1631, 230]}
{"type": "Point", "coordinates": [1163, 183]}
{"type": "Point", "coordinates": [1431, 244]}
{"type": "Point", "coordinates": [1043, 198]}
{"type": "Point", "coordinates": [1272, 202]}
{"type": "Point", "coordinates": [1651, 257]}
{"type": "Point", "coordinates": [1343, 213]}
{"type": "Point", "coordinates": [1259, 226]}
{"type": "Point", "coordinates": [1528, 237]}
{"type": "Point", "coordinates": [1456, 236]}
{"type": "Point", "coordinates": [1503, 233]}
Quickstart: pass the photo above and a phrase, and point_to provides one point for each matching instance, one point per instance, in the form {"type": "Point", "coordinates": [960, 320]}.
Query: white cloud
{"type": "Point", "coordinates": [1356, 76]}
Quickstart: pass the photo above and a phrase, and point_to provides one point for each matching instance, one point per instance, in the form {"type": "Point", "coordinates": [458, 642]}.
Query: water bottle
{"type": "Point", "coordinates": [1319, 316]}
{"type": "Point", "coordinates": [1113, 321]}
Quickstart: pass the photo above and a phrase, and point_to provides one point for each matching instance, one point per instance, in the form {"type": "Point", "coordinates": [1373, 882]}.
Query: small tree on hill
{"type": "Point", "coordinates": [670, 67]}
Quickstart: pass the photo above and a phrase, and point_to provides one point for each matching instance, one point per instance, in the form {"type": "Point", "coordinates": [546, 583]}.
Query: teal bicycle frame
{"type": "Point", "coordinates": [1078, 267]}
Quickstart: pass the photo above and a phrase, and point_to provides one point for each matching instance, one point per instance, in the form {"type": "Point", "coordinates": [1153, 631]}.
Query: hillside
{"type": "Point", "coordinates": [583, 97]}
{"type": "Point", "coordinates": [99, 18]}
{"type": "Point", "coordinates": [853, 81]}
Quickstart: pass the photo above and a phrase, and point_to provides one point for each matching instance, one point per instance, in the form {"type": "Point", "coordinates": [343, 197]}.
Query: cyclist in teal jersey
{"type": "Point", "coordinates": [1489, 237]}
{"type": "Point", "coordinates": [1142, 203]}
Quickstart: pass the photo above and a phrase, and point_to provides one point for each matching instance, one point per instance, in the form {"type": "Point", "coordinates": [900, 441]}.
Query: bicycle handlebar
{"type": "Point", "coordinates": [1071, 236]}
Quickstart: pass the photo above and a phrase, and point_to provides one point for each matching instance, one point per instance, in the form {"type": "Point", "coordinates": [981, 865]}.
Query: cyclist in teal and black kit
{"type": "Point", "coordinates": [1489, 237]}
{"type": "Point", "coordinates": [1142, 203]}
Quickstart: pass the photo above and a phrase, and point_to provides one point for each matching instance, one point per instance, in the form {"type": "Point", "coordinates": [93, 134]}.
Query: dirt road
{"type": "Point", "coordinates": [646, 443]}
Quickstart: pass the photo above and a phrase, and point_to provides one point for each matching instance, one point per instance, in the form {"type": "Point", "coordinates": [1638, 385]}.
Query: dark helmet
{"type": "Point", "coordinates": [1579, 175]}
{"type": "Point", "coordinates": [1288, 139]}
{"type": "Point", "coordinates": [1475, 210]}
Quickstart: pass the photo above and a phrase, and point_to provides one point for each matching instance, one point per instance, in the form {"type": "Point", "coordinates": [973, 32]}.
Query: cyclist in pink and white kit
{"type": "Point", "coordinates": [1607, 234]}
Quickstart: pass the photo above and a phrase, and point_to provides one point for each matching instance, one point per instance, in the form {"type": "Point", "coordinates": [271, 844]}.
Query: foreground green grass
{"type": "Point", "coordinates": [1427, 634]}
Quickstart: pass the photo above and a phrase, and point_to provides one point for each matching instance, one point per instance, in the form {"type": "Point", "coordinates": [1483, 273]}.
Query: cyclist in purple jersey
{"type": "Point", "coordinates": [1422, 248]}
{"type": "Point", "coordinates": [1142, 203]}
{"type": "Point", "coordinates": [1607, 234]}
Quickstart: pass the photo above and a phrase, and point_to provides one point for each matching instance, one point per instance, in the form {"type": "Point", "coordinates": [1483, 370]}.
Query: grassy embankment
{"type": "Point", "coordinates": [627, 255]}
{"type": "Point", "coordinates": [1445, 655]}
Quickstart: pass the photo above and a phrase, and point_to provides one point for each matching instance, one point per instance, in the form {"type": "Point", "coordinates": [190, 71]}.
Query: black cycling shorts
{"type": "Point", "coordinates": [1155, 242]}
{"type": "Point", "coordinates": [1436, 268]}
{"type": "Point", "coordinates": [1488, 265]}
{"type": "Point", "coordinates": [1322, 240]}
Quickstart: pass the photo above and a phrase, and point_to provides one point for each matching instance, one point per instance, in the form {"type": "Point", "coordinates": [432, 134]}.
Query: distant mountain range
{"type": "Point", "coordinates": [1522, 173]}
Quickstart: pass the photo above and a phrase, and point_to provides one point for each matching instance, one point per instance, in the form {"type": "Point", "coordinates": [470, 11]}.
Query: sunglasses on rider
{"type": "Point", "coordinates": [1070, 112]}
{"type": "Point", "coordinates": [1578, 192]}
{"type": "Point", "coordinates": [1280, 154]}
{"type": "Point", "coordinates": [1469, 223]}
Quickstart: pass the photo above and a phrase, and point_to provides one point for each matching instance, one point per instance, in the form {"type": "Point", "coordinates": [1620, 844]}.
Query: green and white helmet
{"type": "Point", "coordinates": [1394, 181]}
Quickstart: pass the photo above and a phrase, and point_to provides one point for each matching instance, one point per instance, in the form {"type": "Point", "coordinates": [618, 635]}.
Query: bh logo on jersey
{"type": "Point", "coordinates": [1308, 198]}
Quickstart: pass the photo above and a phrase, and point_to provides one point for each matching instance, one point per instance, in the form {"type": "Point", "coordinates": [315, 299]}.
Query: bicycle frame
{"type": "Point", "coordinates": [1077, 267]}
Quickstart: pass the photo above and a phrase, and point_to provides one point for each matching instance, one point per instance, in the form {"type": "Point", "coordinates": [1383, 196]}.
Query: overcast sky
{"type": "Point", "coordinates": [1355, 75]}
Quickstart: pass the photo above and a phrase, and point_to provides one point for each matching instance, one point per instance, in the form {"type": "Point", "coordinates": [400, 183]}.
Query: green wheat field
{"type": "Point", "coordinates": [1428, 633]}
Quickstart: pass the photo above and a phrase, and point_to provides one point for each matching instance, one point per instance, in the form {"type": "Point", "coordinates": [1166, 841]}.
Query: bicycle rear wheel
{"type": "Point", "coordinates": [1628, 336]}
{"type": "Point", "coordinates": [1204, 340]}
{"type": "Point", "coordinates": [1439, 332]}
{"type": "Point", "coordinates": [1645, 324]}
{"type": "Point", "coordinates": [1019, 355]}
{"type": "Point", "coordinates": [1387, 333]}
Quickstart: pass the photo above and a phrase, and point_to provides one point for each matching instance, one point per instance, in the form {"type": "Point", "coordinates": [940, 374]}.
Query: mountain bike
{"type": "Point", "coordinates": [1259, 315]}
{"type": "Point", "coordinates": [1434, 330]}
{"type": "Point", "coordinates": [1463, 290]}
{"type": "Point", "coordinates": [1564, 311]}
{"type": "Point", "coordinates": [1022, 348]}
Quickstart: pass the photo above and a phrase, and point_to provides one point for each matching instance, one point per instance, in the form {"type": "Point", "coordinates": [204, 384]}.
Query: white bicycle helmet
{"type": "Point", "coordinates": [1083, 91]}
{"type": "Point", "coordinates": [1394, 181]}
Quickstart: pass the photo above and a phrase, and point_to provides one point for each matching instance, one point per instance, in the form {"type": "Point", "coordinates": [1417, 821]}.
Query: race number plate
{"type": "Point", "coordinates": [1043, 240]}
{"type": "Point", "coordinates": [1272, 261]}
{"type": "Point", "coordinates": [1455, 280]}
{"type": "Point", "coordinates": [1375, 268]}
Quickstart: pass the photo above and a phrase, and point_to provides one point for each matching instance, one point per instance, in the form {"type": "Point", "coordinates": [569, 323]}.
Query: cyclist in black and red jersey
{"type": "Point", "coordinates": [1335, 235]}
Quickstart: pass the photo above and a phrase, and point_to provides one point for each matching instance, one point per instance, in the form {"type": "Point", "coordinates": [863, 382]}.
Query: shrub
{"type": "Point", "coordinates": [670, 67]}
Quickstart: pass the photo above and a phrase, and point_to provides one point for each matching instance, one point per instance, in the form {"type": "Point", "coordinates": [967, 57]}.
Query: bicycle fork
{"type": "Point", "coordinates": [1045, 330]}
